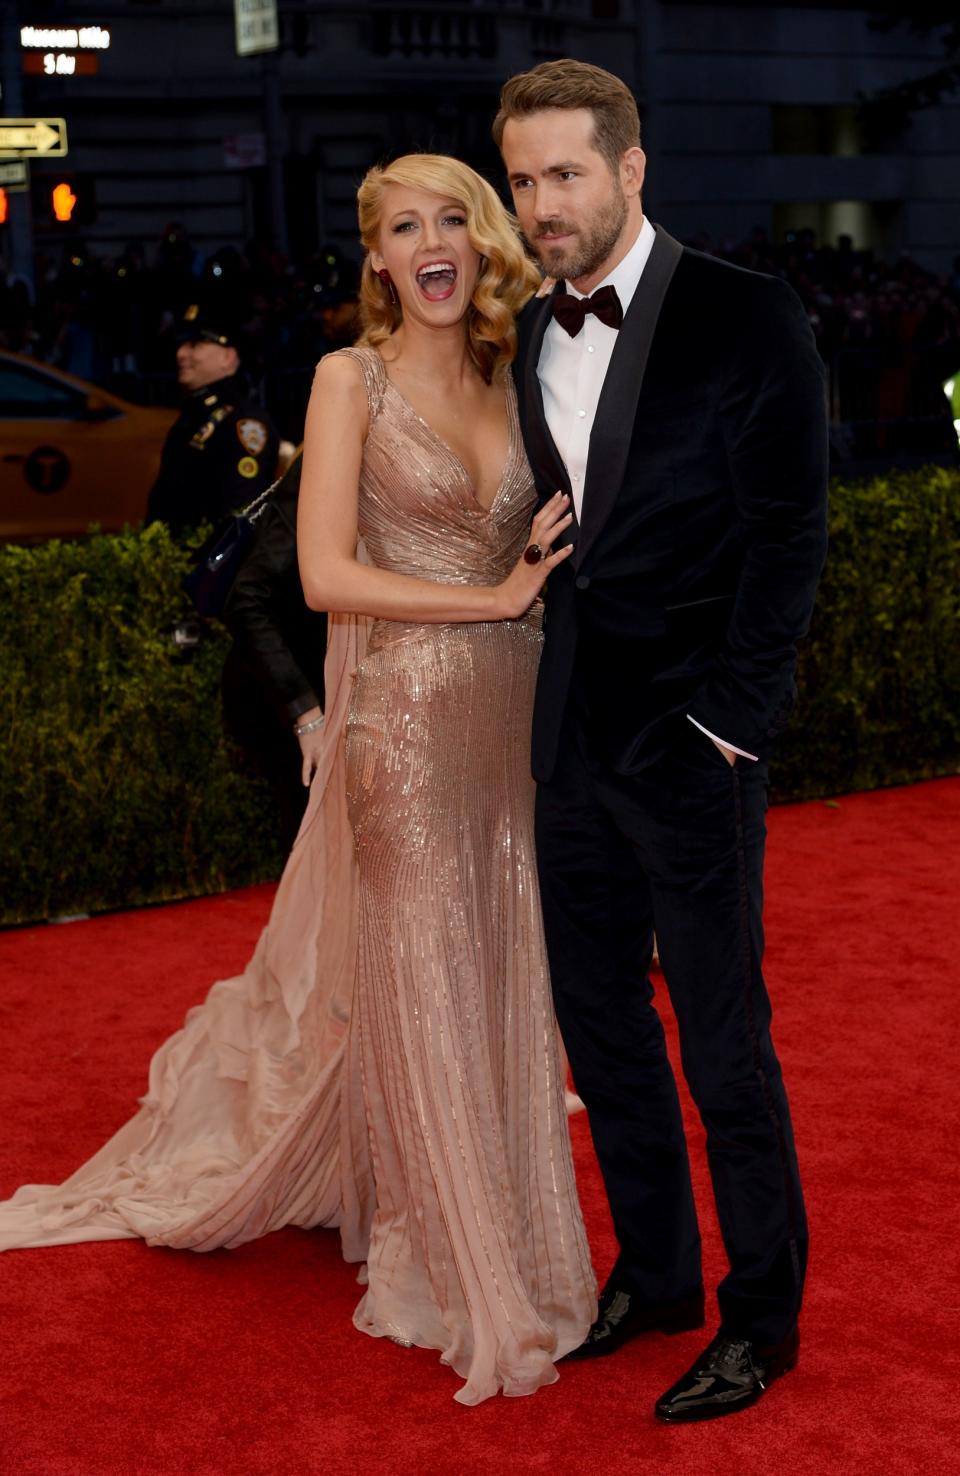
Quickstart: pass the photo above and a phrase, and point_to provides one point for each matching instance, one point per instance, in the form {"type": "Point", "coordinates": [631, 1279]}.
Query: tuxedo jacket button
{"type": "Point", "coordinates": [582, 582]}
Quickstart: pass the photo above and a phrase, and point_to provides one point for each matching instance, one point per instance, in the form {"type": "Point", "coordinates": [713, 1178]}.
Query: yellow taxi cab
{"type": "Point", "coordinates": [71, 454]}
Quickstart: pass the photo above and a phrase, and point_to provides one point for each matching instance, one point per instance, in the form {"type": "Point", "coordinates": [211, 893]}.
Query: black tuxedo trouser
{"type": "Point", "coordinates": [679, 847]}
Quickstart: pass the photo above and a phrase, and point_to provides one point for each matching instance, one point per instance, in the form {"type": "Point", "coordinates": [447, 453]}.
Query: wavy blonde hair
{"type": "Point", "coordinates": [507, 277]}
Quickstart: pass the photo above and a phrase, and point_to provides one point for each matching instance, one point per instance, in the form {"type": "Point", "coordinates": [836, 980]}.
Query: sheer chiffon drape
{"type": "Point", "coordinates": [247, 1106]}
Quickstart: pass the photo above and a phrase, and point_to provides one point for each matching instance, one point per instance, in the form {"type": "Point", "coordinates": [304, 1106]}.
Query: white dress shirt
{"type": "Point", "coordinates": [571, 372]}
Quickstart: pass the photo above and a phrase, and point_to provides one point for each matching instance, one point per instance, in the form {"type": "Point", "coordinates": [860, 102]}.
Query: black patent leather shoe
{"type": "Point", "coordinates": [731, 1374]}
{"type": "Point", "coordinates": [622, 1316]}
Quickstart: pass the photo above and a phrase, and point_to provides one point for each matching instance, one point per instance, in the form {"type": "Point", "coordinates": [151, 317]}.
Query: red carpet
{"type": "Point", "coordinates": [124, 1361]}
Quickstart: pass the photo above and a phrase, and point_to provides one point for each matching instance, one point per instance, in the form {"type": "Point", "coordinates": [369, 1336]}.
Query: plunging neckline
{"type": "Point", "coordinates": [511, 414]}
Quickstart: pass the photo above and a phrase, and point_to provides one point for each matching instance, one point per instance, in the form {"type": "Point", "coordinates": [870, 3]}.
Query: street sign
{"type": "Point", "coordinates": [14, 175]}
{"type": "Point", "coordinates": [256, 26]}
{"type": "Point", "coordinates": [60, 64]}
{"type": "Point", "coordinates": [45, 137]}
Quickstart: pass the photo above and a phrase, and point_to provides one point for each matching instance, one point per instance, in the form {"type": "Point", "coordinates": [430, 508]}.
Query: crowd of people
{"type": "Point", "coordinates": [116, 321]}
{"type": "Point", "coordinates": [890, 332]}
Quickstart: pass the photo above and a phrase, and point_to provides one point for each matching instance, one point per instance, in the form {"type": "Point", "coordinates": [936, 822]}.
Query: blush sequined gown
{"type": "Point", "coordinates": [387, 1063]}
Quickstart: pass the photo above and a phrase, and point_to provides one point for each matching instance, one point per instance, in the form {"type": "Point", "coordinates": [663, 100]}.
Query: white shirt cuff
{"type": "Point", "coordinates": [731, 746]}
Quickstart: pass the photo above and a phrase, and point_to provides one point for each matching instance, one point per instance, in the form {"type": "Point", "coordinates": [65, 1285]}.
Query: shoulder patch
{"type": "Point", "coordinates": [253, 435]}
{"type": "Point", "coordinates": [248, 466]}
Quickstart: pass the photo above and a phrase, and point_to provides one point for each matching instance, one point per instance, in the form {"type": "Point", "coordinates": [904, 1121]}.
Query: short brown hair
{"type": "Point", "coordinates": [574, 84]}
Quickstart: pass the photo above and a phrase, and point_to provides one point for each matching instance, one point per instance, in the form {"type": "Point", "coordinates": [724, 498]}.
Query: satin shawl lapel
{"type": "Point", "coordinates": [545, 460]}
{"type": "Point", "coordinates": [617, 406]}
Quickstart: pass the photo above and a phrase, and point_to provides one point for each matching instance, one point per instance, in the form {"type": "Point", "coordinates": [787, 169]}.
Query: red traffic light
{"type": "Point", "coordinates": [64, 201]}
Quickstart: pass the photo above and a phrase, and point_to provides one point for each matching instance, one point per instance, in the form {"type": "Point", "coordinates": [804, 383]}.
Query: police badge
{"type": "Point", "coordinates": [253, 435]}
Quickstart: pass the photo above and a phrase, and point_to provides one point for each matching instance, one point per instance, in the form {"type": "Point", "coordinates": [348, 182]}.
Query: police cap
{"type": "Point", "coordinates": [201, 325]}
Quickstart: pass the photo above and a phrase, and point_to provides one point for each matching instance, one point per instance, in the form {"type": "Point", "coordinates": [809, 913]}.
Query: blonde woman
{"type": "Point", "coordinates": [388, 1061]}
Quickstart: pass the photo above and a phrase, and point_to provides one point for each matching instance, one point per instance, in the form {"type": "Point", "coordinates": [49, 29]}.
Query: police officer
{"type": "Point", "coordinates": [222, 450]}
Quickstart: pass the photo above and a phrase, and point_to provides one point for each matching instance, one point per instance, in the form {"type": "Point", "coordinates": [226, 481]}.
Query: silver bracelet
{"type": "Point", "coordinates": [310, 727]}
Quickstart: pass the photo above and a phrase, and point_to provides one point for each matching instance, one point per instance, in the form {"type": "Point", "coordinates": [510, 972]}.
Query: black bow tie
{"type": "Point", "coordinates": [571, 311]}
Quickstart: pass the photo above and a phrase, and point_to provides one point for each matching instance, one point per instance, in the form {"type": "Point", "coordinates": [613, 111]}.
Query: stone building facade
{"type": "Point", "coordinates": [749, 113]}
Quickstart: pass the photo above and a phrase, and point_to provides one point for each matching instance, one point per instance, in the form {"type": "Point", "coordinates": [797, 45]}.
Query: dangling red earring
{"type": "Point", "coordinates": [385, 278]}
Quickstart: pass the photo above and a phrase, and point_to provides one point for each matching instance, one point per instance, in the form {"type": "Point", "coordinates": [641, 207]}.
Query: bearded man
{"type": "Point", "coordinates": [680, 403]}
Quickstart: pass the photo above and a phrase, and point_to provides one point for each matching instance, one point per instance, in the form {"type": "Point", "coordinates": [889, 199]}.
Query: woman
{"type": "Point", "coordinates": [388, 1061]}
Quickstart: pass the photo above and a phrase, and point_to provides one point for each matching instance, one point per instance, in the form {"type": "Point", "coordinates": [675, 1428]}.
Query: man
{"type": "Point", "coordinates": [682, 409]}
{"type": "Point", "coordinates": [273, 674]}
{"type": "Point", "coordinates": [222, 451]}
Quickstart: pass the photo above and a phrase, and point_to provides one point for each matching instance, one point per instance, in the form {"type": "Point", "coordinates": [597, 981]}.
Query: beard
{"type": "Point", "coordinates": [589, 248]}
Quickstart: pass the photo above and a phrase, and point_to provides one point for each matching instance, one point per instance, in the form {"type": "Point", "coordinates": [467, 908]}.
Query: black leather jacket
{"type": "Point", "coordinates": [276, 635]}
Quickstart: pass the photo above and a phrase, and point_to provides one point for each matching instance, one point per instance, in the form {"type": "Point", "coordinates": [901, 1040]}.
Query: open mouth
{"type": "Point", "coordinates": [437, 279]}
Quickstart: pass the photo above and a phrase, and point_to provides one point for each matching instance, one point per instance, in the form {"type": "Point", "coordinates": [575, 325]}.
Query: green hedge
{"type": "Point", "coordinates": [879, 675]}
{"type": "Point", "coordinates": [117, 786]}
{"type": "Point", "coordinates": [116, 781]}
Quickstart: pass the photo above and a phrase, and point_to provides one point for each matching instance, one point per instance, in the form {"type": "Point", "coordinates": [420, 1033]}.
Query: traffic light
{"type": "Point", "coordinates": [4, 207]}
{"type": "Point", "coordinates": [63, 201]}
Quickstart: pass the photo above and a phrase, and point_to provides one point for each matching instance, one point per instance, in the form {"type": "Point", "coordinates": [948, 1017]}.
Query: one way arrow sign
{"type": "Point", "coordinates": [24, 136]}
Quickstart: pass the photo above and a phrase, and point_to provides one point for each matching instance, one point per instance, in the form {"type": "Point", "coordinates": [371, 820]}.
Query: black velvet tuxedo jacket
{"type": "Point", "coordinates": [703, 526]}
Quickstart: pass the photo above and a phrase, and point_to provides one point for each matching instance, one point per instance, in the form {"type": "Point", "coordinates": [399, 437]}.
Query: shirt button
{"type": "Point", "coordinates": [581, 413]}
{"type": "Point", "coordinates": [589, 348]}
